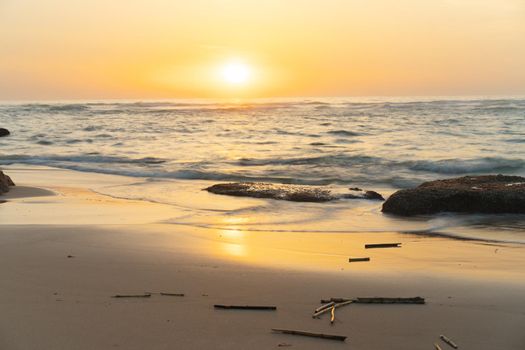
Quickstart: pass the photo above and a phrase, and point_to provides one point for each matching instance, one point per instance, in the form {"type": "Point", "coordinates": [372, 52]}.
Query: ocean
{"type": "Point", "coordinates": [381, 144]}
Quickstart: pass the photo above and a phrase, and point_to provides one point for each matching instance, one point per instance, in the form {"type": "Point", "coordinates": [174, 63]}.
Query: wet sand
{"type": "Point", "coordinates": [474, 290]}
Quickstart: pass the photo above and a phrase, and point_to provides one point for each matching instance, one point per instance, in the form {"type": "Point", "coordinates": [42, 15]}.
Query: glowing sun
{"type": "Point", "coordinates": [236, 73]}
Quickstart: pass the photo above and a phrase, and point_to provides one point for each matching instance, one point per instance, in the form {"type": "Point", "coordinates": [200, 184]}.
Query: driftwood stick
{"type": "Point", "coordinates": [381, 300]}
{"type": "Point", "coordinates": [358, 259]}
{"type": "Point", "coordinates": [448, 341]}
{"type": "Point", "coordinates": [319, 313]}
{"type": "Point", "coordinates": [132, 296]}
{"type": "Point", "coordinates": [378, 300]}
{"type": "Point", "coordinates": [382, 245]}
{"type": "Point", "coordinates": [245, 307]}
{"type": "Point", "coordinates": [332, 317]}
{"type": "Point", "coordinates": [325, 306]}
{"type": "Point", "coordinates": [336, 300]}
{"type": "Point", "coordinates": [437, 347]}
{"type": "Point", "coordinates": [310, 334]}
{"type": "Point", "coordinates": [172, 294]}
{"type": "Point", "coordinates": [343, 303]}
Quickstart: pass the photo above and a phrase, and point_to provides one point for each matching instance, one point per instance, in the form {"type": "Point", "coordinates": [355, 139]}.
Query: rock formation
{"type": "Point", "coordinates": [5, 182]}
{"type": "Point", "coordinates": [469, 194]}
{"type": "Point", "coordinates": [295, 193]}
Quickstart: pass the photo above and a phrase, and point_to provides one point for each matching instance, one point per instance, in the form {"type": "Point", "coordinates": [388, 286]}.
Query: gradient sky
{"type": "Point", "coordinates": [93, 49]}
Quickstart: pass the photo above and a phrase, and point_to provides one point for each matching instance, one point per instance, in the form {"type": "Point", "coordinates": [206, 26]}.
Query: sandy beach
{"type": "Point", "coordinates": [214, 174]}
{"type": "Point", "coordinates": [65, 250]}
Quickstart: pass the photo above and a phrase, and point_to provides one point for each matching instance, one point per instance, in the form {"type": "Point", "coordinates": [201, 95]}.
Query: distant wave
{"type": "Point", "coordinates": [343, 133]}
{"type": "Point", "coordinates": [50, 159]}
{"type": "Point", "coordinates": [479, 165]}
{"type": "Point", "coordinates": [341, 160]}
{"type": "Point", "coordinates": [44, 142]}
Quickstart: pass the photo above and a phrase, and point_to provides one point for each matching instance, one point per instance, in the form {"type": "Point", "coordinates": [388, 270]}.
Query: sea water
{"type": "Point", "coordinates": [381, 144]}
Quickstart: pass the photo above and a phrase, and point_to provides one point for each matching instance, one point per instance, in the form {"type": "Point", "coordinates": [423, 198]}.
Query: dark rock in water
{"type": "Point", "coordinates": [373, 195]}
{"type": "Point", "coordinates": [4, 132]}
{"type": "Point", "coordinates": [469, 194]}
{"type": "Point", "coordinates": [295, 193]}
{"type": "Point", "coordinates": [364, 194]}
{"type": "Point", "coordinates": [5, 182]}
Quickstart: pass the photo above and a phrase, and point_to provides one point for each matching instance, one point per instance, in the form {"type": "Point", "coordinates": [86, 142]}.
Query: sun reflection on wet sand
{"type": "Point", "coordinates": [234, 235]}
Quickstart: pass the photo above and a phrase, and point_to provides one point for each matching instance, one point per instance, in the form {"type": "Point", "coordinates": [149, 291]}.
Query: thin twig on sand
{"type": "Point", "coordinates": [132, 296]}
{"type": "Point", "coordinates": [382, 245]}
{"type": "Point", "coordinates": [319, 313]}
{"type": "Point", "coordinates": [358, 259]}
{"type": "Point", "coordinates": [448, 341]}
{"type": "Point", "coordinates": [325, 306]}
{"type": "Point", "coordinates": [336, 300]}
{"type": "Point", "coordinates": [245, 307]}
{"type": "Point", "coordinates": [382, 300]}
{"type": "Point", "coordinates": [172, 294]}
{"type": "Point", "coordinates": [310, 334]}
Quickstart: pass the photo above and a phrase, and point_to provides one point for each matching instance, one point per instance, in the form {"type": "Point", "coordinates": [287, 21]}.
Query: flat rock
{"type": "Point", "coordinates": [4, 132]}
{"type": "Point", "coordinates": [5, 183]}
{"type": "Point", "coordinates": [295, 193]}
{"type": "Point", "coordinates": [470, 194]}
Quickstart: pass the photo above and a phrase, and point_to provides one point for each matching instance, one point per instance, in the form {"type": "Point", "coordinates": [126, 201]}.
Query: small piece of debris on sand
{"type": "Point", "coordinates": [245, 307]}
{"type": "Point", "coordinates": [382, 245]}
{"type": "Point", "coordinates": [310, 334]}
{"type": "Point", "coordinates": [131, 296]}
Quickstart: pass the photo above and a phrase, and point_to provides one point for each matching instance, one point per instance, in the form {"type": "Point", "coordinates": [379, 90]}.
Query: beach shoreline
{"type": "Point", "coordinates": [66, 249]}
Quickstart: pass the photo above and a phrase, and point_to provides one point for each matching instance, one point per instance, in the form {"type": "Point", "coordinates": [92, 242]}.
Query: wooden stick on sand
{"type": "Point", "coordinates": [335, 300]}
{"type": "Point", "coordinates": [132, 296]}
{"type": "Point", "coordinates": [310, 334]}
{"type": "Point", "coordinates": [382, 245]}
{"type": "Point", "coordinates": [172, 294]}
{"type": "Point", "coordinates": [448, 341]}
{"type": "Point", "coordinates": [358, 259]}
{"type": "Point", "coordinates": [325, 306]}
{"type": "Point", "coordinates": [245, 307]}
{"type": "Point", "coordinates": [382, 300]}
{"type": "Point", "coordinates": [319, 313]}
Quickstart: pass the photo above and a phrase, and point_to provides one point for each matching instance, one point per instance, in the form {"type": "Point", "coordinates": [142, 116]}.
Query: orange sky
{"type": "Point", "coordinates": [173, 49]}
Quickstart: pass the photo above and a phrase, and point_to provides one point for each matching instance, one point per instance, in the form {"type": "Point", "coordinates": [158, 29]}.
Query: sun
{"type": "Point", "coordinates": [236, 73]}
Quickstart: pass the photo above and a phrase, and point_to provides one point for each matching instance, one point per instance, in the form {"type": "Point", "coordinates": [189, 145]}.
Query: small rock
{"type": "Point", "coordinates": [373, 195]}
{"type": "Point", "coordinates": [355, 189]}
